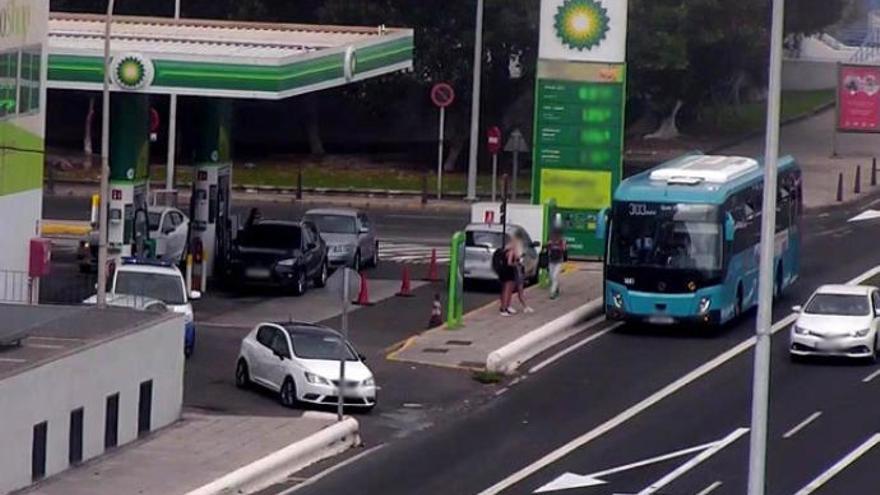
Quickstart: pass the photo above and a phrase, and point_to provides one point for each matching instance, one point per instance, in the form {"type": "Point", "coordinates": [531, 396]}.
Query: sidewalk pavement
{"type": "Point", "coordinates": [207, 454]}
{"type": "Point", "coordinates": [486, 332]}
{"type": "Point", "coordinates": [810, 142]}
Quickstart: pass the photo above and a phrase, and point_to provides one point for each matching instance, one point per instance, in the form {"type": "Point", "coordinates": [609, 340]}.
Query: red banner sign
{"type": "Point", "coordinates": [859, 96]}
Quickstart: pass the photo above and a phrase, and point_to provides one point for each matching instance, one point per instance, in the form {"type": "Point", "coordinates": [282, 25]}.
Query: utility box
{"type": "Point", "coordinates": [40, 259]}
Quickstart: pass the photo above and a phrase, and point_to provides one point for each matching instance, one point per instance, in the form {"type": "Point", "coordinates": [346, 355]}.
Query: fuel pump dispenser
{"type": "Point", "coordinates": [212, 224]}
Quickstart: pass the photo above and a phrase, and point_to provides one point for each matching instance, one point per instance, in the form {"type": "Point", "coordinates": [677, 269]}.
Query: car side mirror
{"type": "Point", "coordinates": [364, 230]}
{"type": "Point", "coordinates": [536, 244]}
{"type": "Point", "coordinates": [195, 295]}
{"type": "Point", "coordinates": [362, 357]}
{"type": "Point", "coordinates": [168, 230]}
{"type": "Point", "coordinates": [797, 309]}
{"type": "Point", "coordinates": [311, 246]}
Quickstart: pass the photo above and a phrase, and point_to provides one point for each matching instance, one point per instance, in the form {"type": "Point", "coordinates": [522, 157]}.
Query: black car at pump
{"type": "Point", "coordinates": [289, 254]}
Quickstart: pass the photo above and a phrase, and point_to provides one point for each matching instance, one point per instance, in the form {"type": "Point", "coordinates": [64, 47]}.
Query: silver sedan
{"type": "Point", "coordinates": [838, 320]}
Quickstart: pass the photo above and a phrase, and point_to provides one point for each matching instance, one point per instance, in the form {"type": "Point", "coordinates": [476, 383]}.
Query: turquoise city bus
{"type": "Point", "coordinates": [683, 240]}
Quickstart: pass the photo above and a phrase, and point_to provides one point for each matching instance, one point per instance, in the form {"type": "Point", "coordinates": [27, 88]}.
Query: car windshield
{"type": "Point", "coordinates": [838, 304]}
{"type": "Point", "coordinates": [316, 346]}
{"type": "Point", "coordinates": [660, 235]}
{"type": "Point", "coordinates": [334, 224]}
{"type": "Point", "coordinates": [163, 287]}
{"type": "Point", "coordinates": [272, 236]}
{"type": "Point", "coordinates": [154, 219]}
{"type": "Point", "coordinates": [491, 240]}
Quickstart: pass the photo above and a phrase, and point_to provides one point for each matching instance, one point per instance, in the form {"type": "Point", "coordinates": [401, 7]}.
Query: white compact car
{"type": "Point", "coordinates": [838, 320]}
{"type": "Point", "coordinates": [154, 280]}
{"type": "Point", "coordinates": [301, 362]}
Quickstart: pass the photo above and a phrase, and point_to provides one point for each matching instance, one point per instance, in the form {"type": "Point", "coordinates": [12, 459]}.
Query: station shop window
{"type": "Point", "coordinates": [8, 83]}
{"type": "Point", "coordinates": [29, 80]}
{"type": "Point", "coordinates": [145, 407]}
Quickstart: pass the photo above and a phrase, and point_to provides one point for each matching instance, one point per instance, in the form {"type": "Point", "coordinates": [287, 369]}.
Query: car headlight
{"type": "Point", "coordinates": [369, 382]}
{"type": "Point", "coordinates": [618, 300]}
{"type": "Point", "coordinates": [705, 304]}
{"type": "Point", "coordinates": [290, 262]}
{"type": "Point", "coordinates": [861, 333]}
{"type": "Point", "coordinates": [317, 379]}
{"type": "Point", "coordinates": [800, 330]}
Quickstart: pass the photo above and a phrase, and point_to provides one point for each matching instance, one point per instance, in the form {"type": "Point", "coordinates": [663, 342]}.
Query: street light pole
{"type": "Point", "coordinates": [172, 127]}
{"type": "Point", "coordinates": [761, 380]}
{"type": "Point", "coordinates": [105, 164]}
{"type": "Point", "coordinates": [475, 105]}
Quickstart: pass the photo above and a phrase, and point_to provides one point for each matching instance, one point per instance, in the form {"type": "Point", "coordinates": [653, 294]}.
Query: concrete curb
{"type": "Point", "coordinates": [508, 358]}
{"type": "Point", "coordinates": [330, 441]}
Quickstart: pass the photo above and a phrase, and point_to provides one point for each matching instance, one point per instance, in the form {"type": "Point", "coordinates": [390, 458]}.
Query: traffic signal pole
{"type": "Point", "coordinates": [475, 106]}
{"type": "Point", "coordinates": [761, 380]}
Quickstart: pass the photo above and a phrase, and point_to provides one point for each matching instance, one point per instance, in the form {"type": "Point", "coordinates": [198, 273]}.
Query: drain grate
{"type": "Point", "coordinates": [435, 350]}
{"type": "Point", "coordinates": [459, 342]}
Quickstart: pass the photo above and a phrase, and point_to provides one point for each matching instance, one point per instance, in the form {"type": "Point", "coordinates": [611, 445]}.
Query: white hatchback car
{"type": "Point", "coordinates": [838, 320]}
{"type": "Point", "coordinates": [301, 362]}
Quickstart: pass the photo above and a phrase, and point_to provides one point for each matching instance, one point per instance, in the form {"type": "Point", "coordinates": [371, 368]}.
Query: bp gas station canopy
{"type": "Point", "coordinates": [221, 58]}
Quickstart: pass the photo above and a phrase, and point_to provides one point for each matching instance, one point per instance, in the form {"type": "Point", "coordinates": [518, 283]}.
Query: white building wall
{"type": "Point", "coordinates": [85, 379]}
{"type": "Point", "coordinates": [19, 214]}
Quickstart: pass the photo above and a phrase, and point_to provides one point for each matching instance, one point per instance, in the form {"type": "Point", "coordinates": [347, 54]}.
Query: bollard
{"type": "Point", "coordinates": [840, 187]}
{"type": "Point", "coordinates": [299, 184]}
{"type": "Point", "coordinates": [857, 189]}
{"type": "Point", "coordinates": [425, 189]}
{"type": "Point", "coordinates": [874, 172]}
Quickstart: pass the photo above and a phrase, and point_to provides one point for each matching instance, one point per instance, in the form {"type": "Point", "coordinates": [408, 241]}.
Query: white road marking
{"type": "Point", "coordinates": [12, 360]}
{"type": "Point", "coordinates": [412, 253]}
{"type": "Point", "coordinates": [649, 401]}
{"type": "Point", "coordinates": [571, 480]}
{"type": "Point", "coordinates": [840, 466]}
{"type": "Point", "coordinates": [696, 461]}
{"type": "Point", "coordinates": [314, 479]}
{"type": "Point", "coordinates": [865, 215]}
{"type": "Point", "coordinates": [803, 424]}
{"type": "Point", "coordinates": [561, 354]}
{"type": "Point", "coordinates": [870, 378]}
{"type": "Point", "coordinates": [43, 346]}
{"type": "Point", "coordinates": [711, 488]}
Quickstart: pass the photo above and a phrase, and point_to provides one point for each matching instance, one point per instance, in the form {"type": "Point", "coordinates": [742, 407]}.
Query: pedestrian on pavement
{"type": "Point", "coordinates": [504, 263]}
{"type": "Point", "coordinates": [436, 313]}
{"type": "Point", "coordinates": [557, 254]}
{"type": "Point", "coordinates": [520, 282]}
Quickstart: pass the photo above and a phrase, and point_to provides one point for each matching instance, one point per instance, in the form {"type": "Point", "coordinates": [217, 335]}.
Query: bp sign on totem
{"type": "Point", "coordinates": [579, 113]}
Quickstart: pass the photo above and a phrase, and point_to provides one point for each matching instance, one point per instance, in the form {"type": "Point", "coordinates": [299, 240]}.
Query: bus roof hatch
{"type": "Point", "coordinates": [693, 170]}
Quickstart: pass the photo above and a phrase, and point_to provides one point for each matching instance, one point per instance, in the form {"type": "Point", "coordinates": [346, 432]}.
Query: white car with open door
{"type": "Point", "coordinates": [838, 320]}
{"type": "Point", "coordinates": [301, 362]}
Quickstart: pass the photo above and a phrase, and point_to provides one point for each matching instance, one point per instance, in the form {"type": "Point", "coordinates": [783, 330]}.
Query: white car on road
{"type": "Point", "coordinates": [301, 362]}
{"type": "Point", "coordinates": [838, 320]}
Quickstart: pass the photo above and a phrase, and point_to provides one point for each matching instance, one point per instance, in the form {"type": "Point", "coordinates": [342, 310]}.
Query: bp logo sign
{"type": "Point", "coordinates": [581, 24]}
{"type": "Point", "coordinates": [132, 71]}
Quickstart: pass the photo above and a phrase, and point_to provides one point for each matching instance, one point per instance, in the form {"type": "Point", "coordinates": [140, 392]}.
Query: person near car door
{"type": "Point", "coordinates": [520, 281]}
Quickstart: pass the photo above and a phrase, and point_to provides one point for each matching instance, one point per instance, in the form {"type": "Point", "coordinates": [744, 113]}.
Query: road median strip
{"type": "Point", "coordinates": [275, 467]}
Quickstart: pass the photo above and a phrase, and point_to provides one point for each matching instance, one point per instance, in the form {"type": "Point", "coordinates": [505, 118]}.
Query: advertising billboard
{"type": "Point", "coordinates": [859, 99]}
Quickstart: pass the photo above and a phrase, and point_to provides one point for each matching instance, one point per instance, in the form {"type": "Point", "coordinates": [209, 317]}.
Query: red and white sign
{"type": "Point", "coordinates": [859, 94]}
{"type": "Point", "coordinates": [494, 140]}
{"type": "Point", "coordinates": [442, 94]}
{"type": "Point", "coordinates": [489, 217]}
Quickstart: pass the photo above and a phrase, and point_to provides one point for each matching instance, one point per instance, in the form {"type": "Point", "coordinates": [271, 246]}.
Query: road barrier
{"type": "Point", "coordinates": [857, 189]}
{"type": "Point", "coordinates": [363, 298]}
{"type": "Point", "coordinates": [433, 271]}
{"type": "Point", "coordinates": [840, 187]}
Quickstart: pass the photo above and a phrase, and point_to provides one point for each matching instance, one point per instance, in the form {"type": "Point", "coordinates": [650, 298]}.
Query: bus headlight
{"type": "Point", "coordinates": [705, 305]}
{"type": "Point", "coordinates": [618, 301]}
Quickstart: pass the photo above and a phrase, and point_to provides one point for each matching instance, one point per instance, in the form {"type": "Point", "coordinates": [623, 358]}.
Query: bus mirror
{"type": "Point", "coordinates": [729, 228]}
{"type": "Point", "coordinates": [601, 223]}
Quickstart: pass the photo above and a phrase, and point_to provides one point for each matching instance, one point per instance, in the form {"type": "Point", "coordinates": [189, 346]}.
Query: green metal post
{"type": "Point", "coordinates": [549, 212]}
{"type": "Point", "coordinates": [455, 302]}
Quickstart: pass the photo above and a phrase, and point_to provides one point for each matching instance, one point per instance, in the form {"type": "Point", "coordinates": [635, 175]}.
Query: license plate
{"type": "Point", "coordinates": [257, 273]}
{"type": "Point", "coordinates": [661, 320]}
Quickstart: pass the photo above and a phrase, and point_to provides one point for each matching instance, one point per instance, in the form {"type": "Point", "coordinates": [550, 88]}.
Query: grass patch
{"type": "Point", "coordinates": [749, 117]}
{"type": "Point", "coordinates": [334, 176]}
{"type": "Point", "coordinates": [487, 377]}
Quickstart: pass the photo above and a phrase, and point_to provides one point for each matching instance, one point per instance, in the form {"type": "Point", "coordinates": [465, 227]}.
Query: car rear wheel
{"type": "Point", "coordinates": [242, 374]}
{"type": "Point", "coordinates": [288, 393]}
{"type": "Point", "coordinates": [301, 285]}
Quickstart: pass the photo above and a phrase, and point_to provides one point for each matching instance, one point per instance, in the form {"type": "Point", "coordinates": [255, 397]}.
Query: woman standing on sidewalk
{"type": "Point", "coordinates": [557, 253]}
{"type": "Point", "coordinates": [504, 262]}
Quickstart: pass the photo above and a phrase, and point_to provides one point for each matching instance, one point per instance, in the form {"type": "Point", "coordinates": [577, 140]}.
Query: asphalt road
{"type": "Point", "coordinates": [635, 394]}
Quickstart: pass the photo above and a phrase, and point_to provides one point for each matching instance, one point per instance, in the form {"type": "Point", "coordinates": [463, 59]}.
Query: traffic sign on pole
{"type": "Point", "coordinates": [493, 140]}
{"type": "Point", "coordinates": [443, 95]}
{"type": "Point", "coordinates": [516, 144]}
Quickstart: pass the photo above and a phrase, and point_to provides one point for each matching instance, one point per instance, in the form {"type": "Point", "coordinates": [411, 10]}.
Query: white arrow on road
{"type": "Point", "coordinates": [865, 215]}
{"type": "Point", "coordinates": [570, 480]}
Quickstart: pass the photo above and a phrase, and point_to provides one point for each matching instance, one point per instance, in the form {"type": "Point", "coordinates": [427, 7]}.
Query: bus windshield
{"type": "Point", "coordinates": [659, 235]}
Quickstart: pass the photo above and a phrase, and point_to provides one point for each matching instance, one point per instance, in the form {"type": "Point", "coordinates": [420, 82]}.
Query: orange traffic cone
{"type": "Point", "coordinates": [363, 298]}
{"type": "Point", "coordinates": [405, 284]}
{"type": "Point", "coordinates": [433, 271]}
